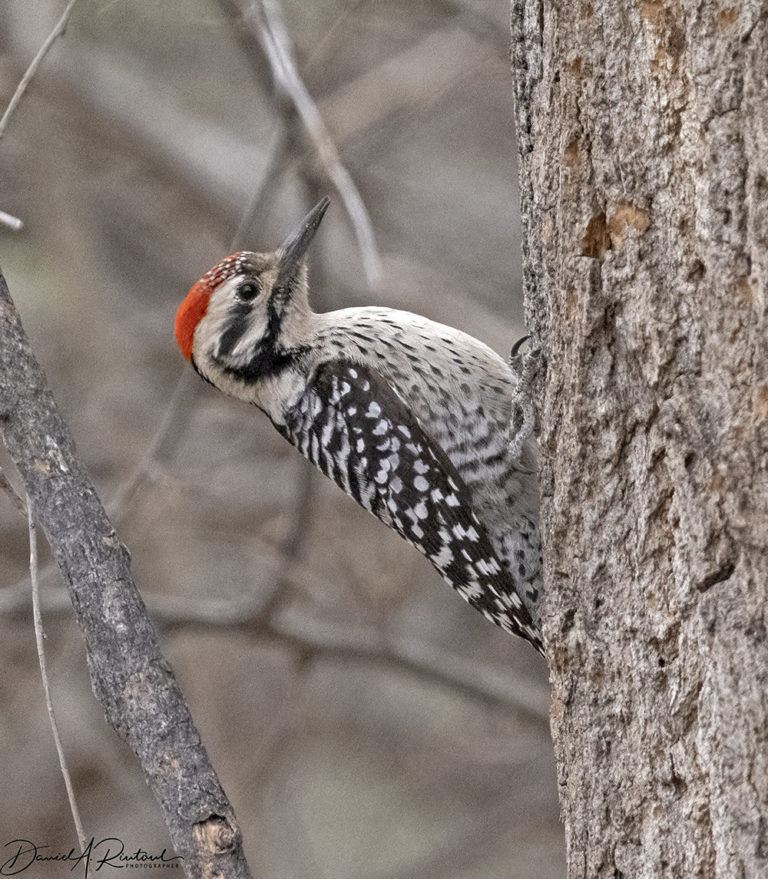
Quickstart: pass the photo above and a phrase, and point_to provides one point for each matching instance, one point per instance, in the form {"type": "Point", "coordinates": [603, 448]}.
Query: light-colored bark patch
{"type": "Point", "coordinates": [625, 217]}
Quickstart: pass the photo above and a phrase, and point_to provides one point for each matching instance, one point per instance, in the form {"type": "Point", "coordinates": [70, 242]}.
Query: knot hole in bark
{"type": "Point", "coordinates": [216, 834]}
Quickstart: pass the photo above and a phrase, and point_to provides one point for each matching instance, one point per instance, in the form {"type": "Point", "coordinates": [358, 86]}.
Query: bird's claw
{"type": "Point", "coordinates": [523, 418]}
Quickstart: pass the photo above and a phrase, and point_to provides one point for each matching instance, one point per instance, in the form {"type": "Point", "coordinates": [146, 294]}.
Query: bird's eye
{"type": "Point", "coordinates": [247, 291]}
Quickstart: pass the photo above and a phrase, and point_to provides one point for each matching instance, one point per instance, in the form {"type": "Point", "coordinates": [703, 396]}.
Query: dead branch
{"type": "Point", "coordinates": [264, 18]}
{"type": "Point", "coordinates": [371, 644]}
{"type": "Point", "coordinates": [40, 643]}
{"type": "Point", "coordinates": [61, 26]}
{"type": "Point", "coordinates": [13, 223]}
{"type": "Point", "coordinates": [16, 499]}
{"type": "Point", "coordinates": [129, 675]}
{"type": "Point", "coordinates": [305, 631]}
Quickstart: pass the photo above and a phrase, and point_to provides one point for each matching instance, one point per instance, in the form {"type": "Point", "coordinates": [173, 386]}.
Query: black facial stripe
{"type": "Point", "coordinates": [268, 359]}
{"type": "Point", "coordinates": [275, 309]}
{"type": "Point", "coordinates": [237, 324]}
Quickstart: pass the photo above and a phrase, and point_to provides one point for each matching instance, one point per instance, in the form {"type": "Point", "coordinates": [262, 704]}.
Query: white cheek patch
{"type": "Point", "coordinates": [231, 331]}
{"type": "Point", "coordinates": [243, 351]}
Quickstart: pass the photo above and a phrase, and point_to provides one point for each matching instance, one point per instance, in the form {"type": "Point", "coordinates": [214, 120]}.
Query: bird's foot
{"type": "Point", "coordinates": [526, 366]}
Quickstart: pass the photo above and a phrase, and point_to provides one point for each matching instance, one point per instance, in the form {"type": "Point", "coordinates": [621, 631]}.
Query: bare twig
{"type": "Point", "coordinates": [61, 26]}
{"type": "Point", "coordinates": [168, 432]}
{"type": "Point", "coordinates": [370, 644]}
{"type": "Point", "coordinates": [282, 724]}
{"type": "Point", "coordinates": [263, 193]}
{"type": "Point", "coordinates": [402, 86]}
{"type": "Point", "coordinates": [40, 642]}
{"type": "Point", "coordinates": [265, 17]}
{"type": "Point", "coordinates": [11, 222]}
{"type": "Point", "coordinates": [129, 674]}
{"type": "Point", "coordinates": [319, 49]}
{"type": "Point", "coordinates": [304, 631]}
{"type": "Point", "coordinates": [485, 27]}
{"type": "Point", "coordinates": [182, 400]}
{"type": "Point", "coordinates": [15, 497]}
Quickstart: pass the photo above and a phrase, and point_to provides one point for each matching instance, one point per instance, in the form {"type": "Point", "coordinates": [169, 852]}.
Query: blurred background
{"type": "Point", "coordinates": [364, 721]}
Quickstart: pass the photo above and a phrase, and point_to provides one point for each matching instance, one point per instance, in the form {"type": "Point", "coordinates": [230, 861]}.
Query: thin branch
{"type": "Point", "coordinates": [40, 642]}
{"type": "Point", "coordinates": [167, 434]}
{"type": "Point", "coordinates": [485, 27]}
{"type": "Point", "coordinates": [16, 499]}
{"type": "Point", "coordinates": [304, 631]}
{"type": "Point", "coordinates": [172, 426]}
{"type": "Point", "coordinates": [11, 222]}
{"type": "Point", "coordinates": [61, 26]}
{"type": "Point", "coordinates": [265, 18]}
{"type": "Point", "coordinates": [329, 35]}
{"type": "Point", "coordinates": [370, 644]}
{"type": "Point", "coordinates": [281, 728]}
{"type": "Point", "coordinates": [130, 676]}
{"type": "Point", "coordinates": [264, 193]}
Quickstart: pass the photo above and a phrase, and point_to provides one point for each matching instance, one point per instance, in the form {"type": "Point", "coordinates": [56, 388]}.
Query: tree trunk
{"type": "Point", "coordinates": [643, 135]}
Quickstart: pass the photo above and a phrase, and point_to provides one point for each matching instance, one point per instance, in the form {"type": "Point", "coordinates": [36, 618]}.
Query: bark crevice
{"type": "Point", "coordinates": [643, 161]}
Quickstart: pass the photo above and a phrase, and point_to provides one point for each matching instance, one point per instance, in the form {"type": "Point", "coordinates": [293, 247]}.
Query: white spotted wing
{"type": "Point", "coordinates": [358, 431]}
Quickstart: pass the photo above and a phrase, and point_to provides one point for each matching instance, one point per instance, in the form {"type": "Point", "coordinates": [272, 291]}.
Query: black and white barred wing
{"type": "Point", "coordinates": [358, 431]}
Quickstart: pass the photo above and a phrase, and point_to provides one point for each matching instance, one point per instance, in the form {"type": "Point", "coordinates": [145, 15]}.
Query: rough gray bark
{"type": "Point", "coordinates": [643, 134]}
{"type": "Point", "coordinates": [130, 676]}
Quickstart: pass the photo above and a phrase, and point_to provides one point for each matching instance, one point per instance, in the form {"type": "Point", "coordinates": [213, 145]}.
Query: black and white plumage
{"type": "Point", "coordinates": [409, 417]}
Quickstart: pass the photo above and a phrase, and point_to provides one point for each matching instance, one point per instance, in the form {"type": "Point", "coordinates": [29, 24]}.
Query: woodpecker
{"type": "Point", "coordinates": [411, 418]}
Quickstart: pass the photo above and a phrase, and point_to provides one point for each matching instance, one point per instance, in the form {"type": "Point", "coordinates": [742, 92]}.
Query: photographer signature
{"type": "Point", "coordinates": [107, 852]}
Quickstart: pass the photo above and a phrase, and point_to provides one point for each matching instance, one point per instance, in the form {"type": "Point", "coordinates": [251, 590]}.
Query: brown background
{"type": "Point", "coordinates": [131, 160]}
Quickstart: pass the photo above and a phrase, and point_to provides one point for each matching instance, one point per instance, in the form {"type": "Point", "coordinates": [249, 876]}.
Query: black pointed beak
{"type": "Point", "coordinates": [295, 246]}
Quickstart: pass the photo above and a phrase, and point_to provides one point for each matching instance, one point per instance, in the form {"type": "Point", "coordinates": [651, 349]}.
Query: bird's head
{"type": "Point", "coordinates": [244, 317]}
